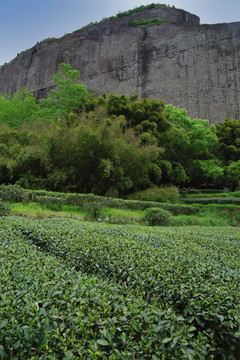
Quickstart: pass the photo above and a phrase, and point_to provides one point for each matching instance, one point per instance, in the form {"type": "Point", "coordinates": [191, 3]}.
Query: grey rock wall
{"type": "Point", "coordinates": [187, 64]}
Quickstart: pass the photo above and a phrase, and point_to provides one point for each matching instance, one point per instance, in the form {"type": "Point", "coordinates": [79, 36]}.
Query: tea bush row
{"type": "Point", "coordinates": [192, 272]}
{"type": "Point", "coordinates": [49, 310]}
{"type": "Point", "coordinates": [213, 200]}
{"type": "Point", "coordinates": [4, 209]}
{"type": "Point", "coordinates": [13, 193]}
{"type": "Point", "coordinates": [201, 191]}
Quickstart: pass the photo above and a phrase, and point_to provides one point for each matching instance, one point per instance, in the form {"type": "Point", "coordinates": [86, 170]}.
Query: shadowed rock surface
{"type": "Point", "coordinates": [187, 64]}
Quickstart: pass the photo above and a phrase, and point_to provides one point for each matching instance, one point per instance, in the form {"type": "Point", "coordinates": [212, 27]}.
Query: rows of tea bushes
{"type": "Point", "coordinates": [207, 194]}
{"type": "Point", "coordinates": [213, 200]}
{"type": "Point", "coordinates": [14, 193]}
{"type": "Point", "coordinates": [109, 292]}
{"type": "Point", "coordinates": [211, 192]}
{"type": "Point", "coordinates": [49, 310]}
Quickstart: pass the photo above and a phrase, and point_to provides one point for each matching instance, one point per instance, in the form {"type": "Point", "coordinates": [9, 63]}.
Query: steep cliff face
{"type": "Point", "coordinates": [187, 64]}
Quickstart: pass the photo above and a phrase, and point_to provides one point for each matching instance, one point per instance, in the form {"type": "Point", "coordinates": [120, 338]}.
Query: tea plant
{"type": "Point", "coordinates": [158, 293]}
{"type": "Point", "coordinates": [4, 209]}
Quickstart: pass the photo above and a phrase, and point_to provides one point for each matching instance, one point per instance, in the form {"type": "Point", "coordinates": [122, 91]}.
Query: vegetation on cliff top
{"type": "Point", "coordinates": [136, 10]}
{"type": "Point", "coordinates": [146, 22]}
{"type": "Point", "coordinates": [110, 145]}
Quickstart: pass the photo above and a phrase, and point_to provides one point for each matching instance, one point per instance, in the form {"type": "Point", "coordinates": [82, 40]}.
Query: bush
{"type": "Point", "coordinates": [232, 174]}
{"type": "Point", "coordinates": [4, 209]}
{"type": "Point", "coordinates": [121, 220]}
{"type": "Point", "coordinates": [145, 22]}
{"type": "Point", "coordinates": [158, 194]}
{"type": "Point", "coordinates": [93, 209]}
{"type": "Point", "coordinates": [51, 202]}
{"type": "Point", "coordinates": [16, 194]}
{"type": "Point", "coordinates": [156, 216]}
{"type": "Point", "coordinates": [213, 200]}
{"type": "Point", "coordinates": [201, 191]}
{"type": "Point", "coordinates": [12, 193]}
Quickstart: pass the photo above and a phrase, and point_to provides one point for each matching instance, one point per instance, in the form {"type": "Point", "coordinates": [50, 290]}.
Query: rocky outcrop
{"type": "Point", "coordinates": [187, 64]}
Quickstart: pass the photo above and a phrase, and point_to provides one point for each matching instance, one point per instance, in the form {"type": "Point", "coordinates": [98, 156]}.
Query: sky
{"type": "Point", "coordinates": [25, 22]}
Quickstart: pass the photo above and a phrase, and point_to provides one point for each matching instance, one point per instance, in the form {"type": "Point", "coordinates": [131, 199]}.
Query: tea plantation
{"type": "Point", "coordinates": [79, 290]}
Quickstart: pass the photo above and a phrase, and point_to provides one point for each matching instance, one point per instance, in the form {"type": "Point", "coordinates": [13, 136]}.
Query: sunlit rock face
{"type": "Point", "coordinates": [187, 64]}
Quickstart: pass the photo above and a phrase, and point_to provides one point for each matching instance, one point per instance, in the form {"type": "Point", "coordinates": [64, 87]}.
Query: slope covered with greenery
{"type": "Point", "coordinates": [107, 292]}
{"type": "Point", "coordinates": [74, 140]}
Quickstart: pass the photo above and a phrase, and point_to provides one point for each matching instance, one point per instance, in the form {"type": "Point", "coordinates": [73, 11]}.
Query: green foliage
{"type": "Point", "coordinates": [178, 288]}
{"type": "Point", "coordinates": [188, 140]}
{"type": "Point", "coordinates": [166, 168]}
{"type": "Point", "coordinates": [49, 39]}
{"type": "Point", "coordinates": [4, 209]}
{"type": "Point", "coordinates": [12, 193]}
{"type": "Point", "coordinates": [228, 133]}
{"type": "Point", "coordinates": [157, 217]}
{"type": "Point", "coordinates": [146, 22]}
{"type": "Point", "coordinates": [178, 174]}
{"type": "Point", "coordinates": [233, 175]}
{"type": "Point", "coordinates": [16, 194]}
{"type": "Point", "coordinates": [211, 216]}
{"type": "Point", "coordinates": [93, 209]}
{"type": "Point", "coordinates": [211, 192]}
{"type": "Point", "coordinates": [158, 194]}
{"type": "Point", "coordinates": [67, 96]}
{"type": "Point", "coordinates": [206, 172]}
{"type": "Point", "coordinates": [17, 109]}
{"type": "Point", "coordinates": [155, 174]}
{"type": "Point", "coordinates": [110, 145]}
{"type": "Point", "coordinates": [136, 10]}
{"type": "Point", "coordinates": [149, 114]}
{"type": "Point", "coordinates": [212, 200]}
{"type": "Point", "coordinates": [51, 202]}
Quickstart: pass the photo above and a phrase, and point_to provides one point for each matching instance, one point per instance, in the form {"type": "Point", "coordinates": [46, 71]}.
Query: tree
{"type": "Point", "coordinates": [194, 137]}
{"type": "Point", "coordinates": [17, 109]}
{"type": "Point", "coordinates": [185, 141]}
{"type": "Point", "coordinates": [206, 172]}
{"type": "Point", "coordinates": [232, 173]}
{"type": "Point", "coordinates": [67, 96]}
{"type": "Point", "coordinates": [228, 134]}
{"type": "Point", "coordinates": [178, 174]}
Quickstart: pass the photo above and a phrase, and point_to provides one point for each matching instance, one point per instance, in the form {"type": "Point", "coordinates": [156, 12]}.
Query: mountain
{"type": "Point", "coordinates": [181, 61]}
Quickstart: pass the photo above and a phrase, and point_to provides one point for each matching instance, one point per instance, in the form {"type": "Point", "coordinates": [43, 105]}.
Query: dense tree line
{"type": "Point", "coordinates": [110, 145]}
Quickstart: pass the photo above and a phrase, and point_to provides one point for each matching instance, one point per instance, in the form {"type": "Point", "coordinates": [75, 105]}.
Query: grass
{"type": "Point", "coordinates": [110, 214]}
{"type": "Point", "coordinates": [131, 216]}
{"type": "Point", "coordinates": [36, 210]}
{"type": "Point", "coordinates": [210, 215]}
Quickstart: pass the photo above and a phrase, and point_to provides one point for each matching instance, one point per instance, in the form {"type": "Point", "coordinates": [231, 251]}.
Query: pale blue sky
{"type": "Point", "coordinates": [24, 22]}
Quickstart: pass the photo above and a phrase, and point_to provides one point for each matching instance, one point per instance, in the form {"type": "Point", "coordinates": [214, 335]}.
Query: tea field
{"type": "Point", "coordinates": [81, 290]}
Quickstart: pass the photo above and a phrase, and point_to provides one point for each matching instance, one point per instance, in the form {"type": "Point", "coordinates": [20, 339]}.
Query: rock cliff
{"type": "Point", "coordinates": [187, 64]}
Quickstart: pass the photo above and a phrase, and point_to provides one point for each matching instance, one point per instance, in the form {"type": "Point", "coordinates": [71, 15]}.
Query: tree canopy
{"type": "Point", "coordinates": [112, 144]}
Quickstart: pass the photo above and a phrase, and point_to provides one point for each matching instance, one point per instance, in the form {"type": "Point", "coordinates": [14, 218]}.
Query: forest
{"type": "Point", "coordinates": [75, 140]}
